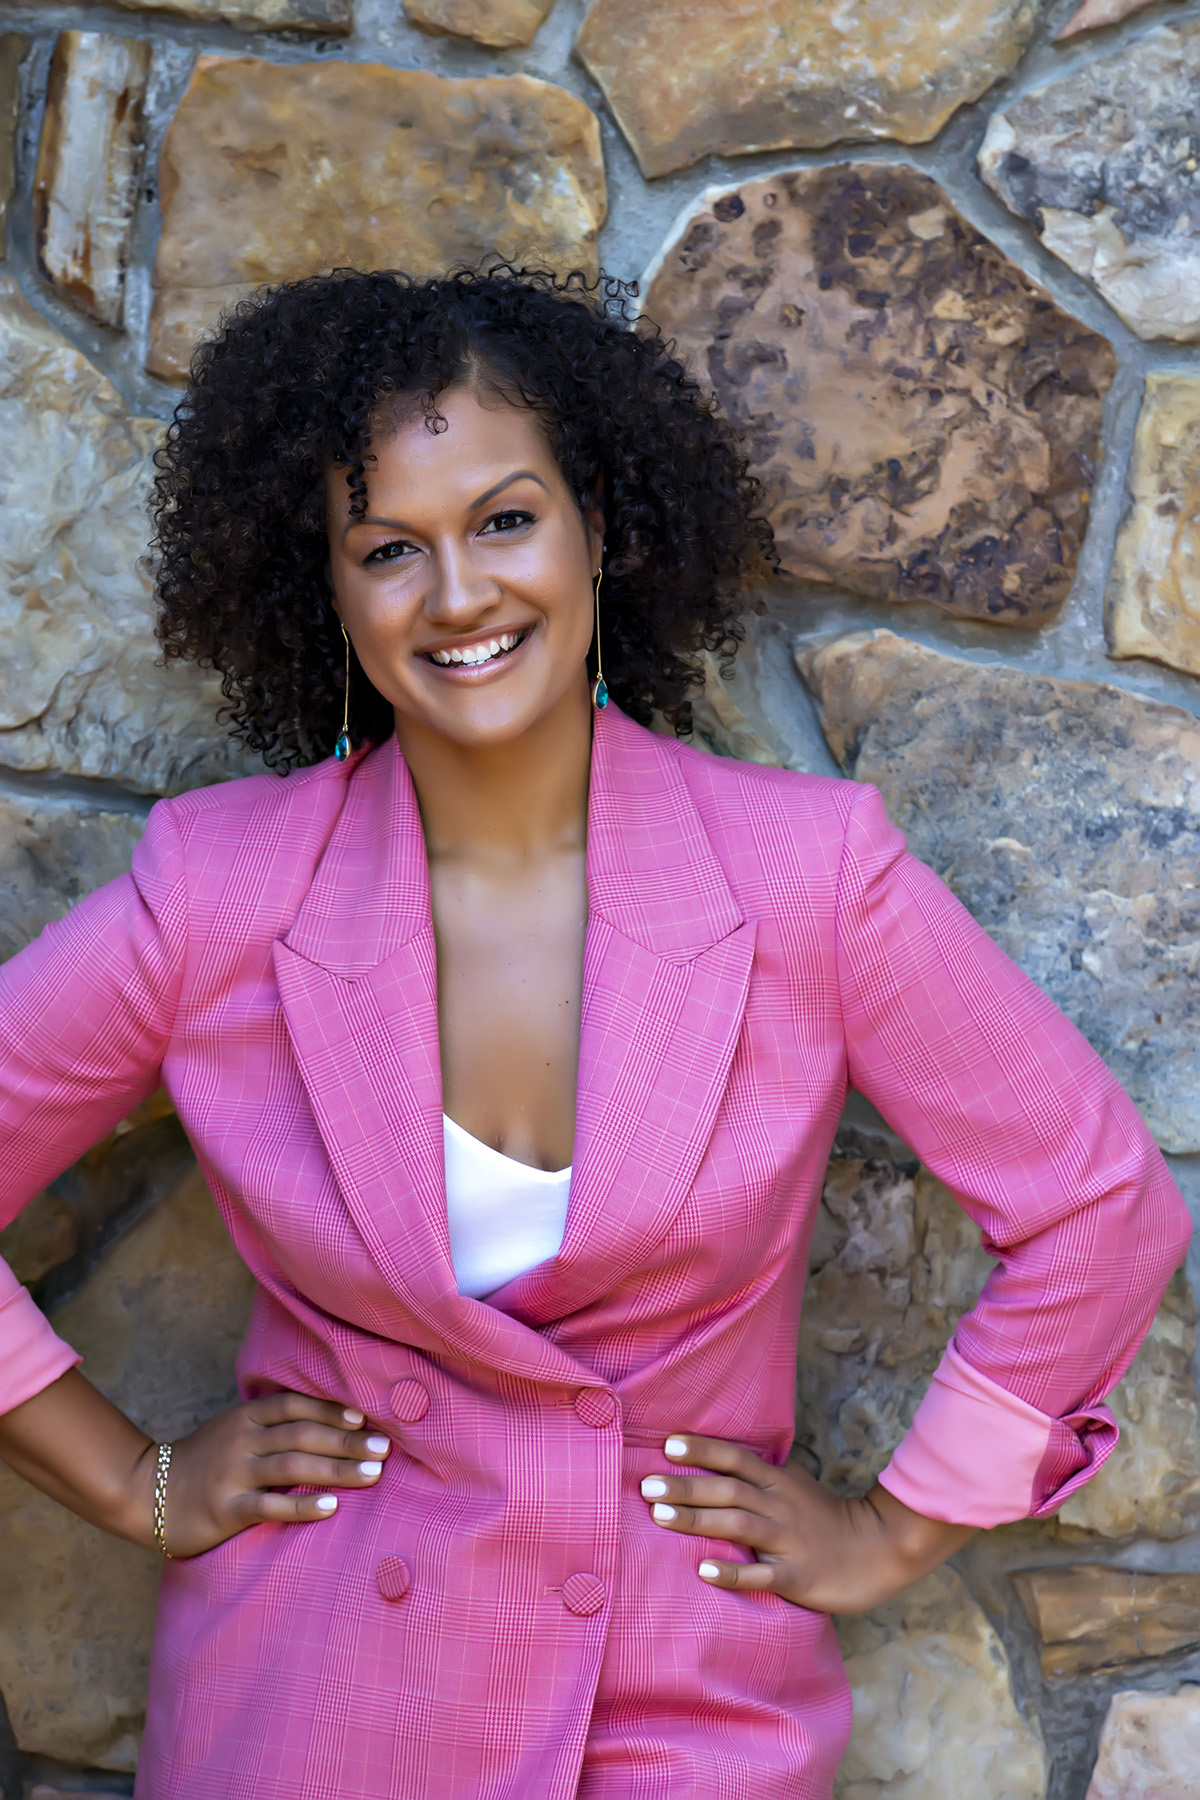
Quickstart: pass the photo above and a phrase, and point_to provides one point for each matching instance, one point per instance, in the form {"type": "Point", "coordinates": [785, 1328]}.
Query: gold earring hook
{"type": "Point", "coordinates": [599, 686]}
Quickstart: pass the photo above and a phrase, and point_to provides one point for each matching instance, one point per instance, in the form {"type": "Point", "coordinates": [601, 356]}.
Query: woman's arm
{"type": "Point", "coordinates": [74, 1445]}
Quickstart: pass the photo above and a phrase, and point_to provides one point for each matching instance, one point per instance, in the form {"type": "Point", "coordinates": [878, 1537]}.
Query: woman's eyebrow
{"type": "Point", "coordinates": [482, 500]}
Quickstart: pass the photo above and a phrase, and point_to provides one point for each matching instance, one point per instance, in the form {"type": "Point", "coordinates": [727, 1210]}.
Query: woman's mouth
{"type": "Point", "coordinates": [478, 655]}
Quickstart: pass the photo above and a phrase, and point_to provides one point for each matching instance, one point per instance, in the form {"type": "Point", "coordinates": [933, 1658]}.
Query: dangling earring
{"type": "Point", "coordinates": [342, 748]}
{"type": "Point", "coordinates": [599, 686]}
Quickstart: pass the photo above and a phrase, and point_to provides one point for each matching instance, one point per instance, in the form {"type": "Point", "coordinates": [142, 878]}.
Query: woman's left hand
{"type": "Point", "coordinates": [834, 1556]}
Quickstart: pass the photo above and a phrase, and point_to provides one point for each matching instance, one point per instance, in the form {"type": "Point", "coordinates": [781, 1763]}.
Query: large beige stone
{"type": "Point", "coordinates": [158, 1324]}
{"type": "Point", "coordinates": [13, 45]}
{"type": "Point", "coordinates": [1066, 816]}
{"type": "Point", "coordinates": [81, 692]}
{"type": "Point", "coordinates": [925, 420]}
{"type": "Point", "coordinates": [1091, 1617]}
{"type": "Point", "coordinates": [934, 1714]}
{"type": "Point", "coordinates": [1149, 1748]}
{"type": "Point", "coordinates": [1153, 601]}
{"type": "Point", "coordinates": [89, 165]}
{"type": "Point", "coordinates": [1151, 1482]}
{"type": "Point", "coordinates": [1105, 165]}
{"type": "Point", "coordinates": [693, 78]}
{"type": "Point", "coordinates": [335, 16]}
{"type": "Point", "coordinates": [501, 23]}
{"type": "Point", "coordinates": [273, 171]}
{"type": "Point", "coordinates": [53, 850]}
{"type": "Point", "coordinates": [894, 1263]}
{"type": "Point", "coordinates": [1096, 13]}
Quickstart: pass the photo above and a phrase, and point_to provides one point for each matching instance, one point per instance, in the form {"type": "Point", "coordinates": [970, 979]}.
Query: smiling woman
{"type": "Point", "coordinates": [512, 1038]}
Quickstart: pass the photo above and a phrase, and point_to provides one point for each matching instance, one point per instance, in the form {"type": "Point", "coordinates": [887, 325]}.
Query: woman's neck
{"type": "Point", "coordinates": [516, 800]}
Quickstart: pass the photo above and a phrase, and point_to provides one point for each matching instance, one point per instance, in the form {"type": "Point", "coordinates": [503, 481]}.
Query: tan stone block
{"type": "Point", "coordinates": [89, 166]}
{"type": "Point", "coordinates": [1149, 1748]}
{"type": "Point", "coordinates": [274, 171]}
{"type": "Point", "coordinates": [925, 421]}
{"type": "Point", "coordinates": [1092, 1617]}
{"type": "Point", "coordinates": [501, 23]}
{"type": "Point", "coordinates": [1105, 166]}
{"type": "Point", "coordinates": [1094, 14]}
{"type": "Point", "coordinates": [1095, 902]}
{"type": "Point", "coordinates": [335, 16]}
{"type": "Point", "coordinates": [158, 1323]}
{"type": "Point", "coordinates": [1153, 599]}
{"type": "Point", "coordinates": [13, 45]}
{"type": "Point", "coordinates": [693, 78]}
{"type": "Point", "coordinates": [934, 1714]}
{"type": "Point", "coordinates": [81, 689]}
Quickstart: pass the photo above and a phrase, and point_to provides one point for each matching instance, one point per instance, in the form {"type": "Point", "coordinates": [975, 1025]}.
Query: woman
{"type": "Point", "coordinates": [506, 1510]}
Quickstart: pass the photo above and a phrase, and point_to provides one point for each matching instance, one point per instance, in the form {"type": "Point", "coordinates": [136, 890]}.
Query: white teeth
{"type": "Point", "coordinates": [476, 653]}
{"type": "Point", "coordinates": [494, 647]}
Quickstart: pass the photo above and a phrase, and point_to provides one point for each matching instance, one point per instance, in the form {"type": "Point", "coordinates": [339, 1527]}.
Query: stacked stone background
{"type": "Point", "coordinates": [942, 269]}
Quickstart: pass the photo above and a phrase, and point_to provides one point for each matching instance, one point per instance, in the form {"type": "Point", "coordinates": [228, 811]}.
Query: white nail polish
{"type": "Point", "coordinates": [653, 1486]}
{"type": "Point", "coordinates": [663, 1513]}
{"type": "Point", "coordinates": [709, 1571]}
{"type": "Point", "coordinates": [378, 1446]}
{"type": "Point", "coordinates": [676, 1447]}
{"type": "Point", "coordinates": [327, 1503]}
{"type": "Point", "coordinates": [370, 1469]}
{"type": "Point", "coordinates": [352, 1416]}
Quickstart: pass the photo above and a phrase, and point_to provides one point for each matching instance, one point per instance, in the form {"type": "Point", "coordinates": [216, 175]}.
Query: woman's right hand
{"type": "Point", "coordinates": [225, 1475]}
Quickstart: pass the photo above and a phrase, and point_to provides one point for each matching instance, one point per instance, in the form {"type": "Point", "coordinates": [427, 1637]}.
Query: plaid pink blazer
{"type": "Point", "coordinates": [499, 1619]}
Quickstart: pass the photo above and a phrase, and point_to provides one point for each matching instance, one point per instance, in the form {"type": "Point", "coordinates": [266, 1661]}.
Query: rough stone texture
{"type": "Point", "coordinates": [692, 78]}
{"type": "Point", "coordinates": [158, 1324]}
{"type": "Point", "coordinates": [925, 420]}
{"type": "Point", "coordinates": [1066, 816]}
{"type": "Point", "coordinates": [1092, 1617]}
{"type": "Point", "coordinates": [894, 1263]}
{"type": "Point", "coordinates": [89, 165]}
{"type": "Point", "coordinates": [1105, 164]}
{"type": "Point", "coordinates": [1151, 1482]}
{"type": "Point", "coordinates": [271, 171]}
{"type": "Point", "coordinates": [1150, 1748]}
{"type": "Point", "coordinates": [1095, 13]}
{"type": "Point", "coordinates": [80, 689]}
{"type": "Point", "coordinates": [934, 1714]}
{"type": "Point", "coordinates": [1153, 600]}
{"type": "Point", "coordinates": [500, 23]}
{"type": "Point", "coordinates": [256, 15]}
{"type": "Point", "coordinates": [53, 850]}
{"type": "Point", "coordinates": [13, 45]}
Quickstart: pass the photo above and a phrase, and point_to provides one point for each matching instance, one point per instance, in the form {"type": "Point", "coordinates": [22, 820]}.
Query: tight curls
{"type": "Point", "coordinates": [297, 379]}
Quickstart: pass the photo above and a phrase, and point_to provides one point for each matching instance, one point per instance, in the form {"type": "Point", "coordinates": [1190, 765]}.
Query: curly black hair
{"type": "Point", "coordinates": [294, 381]}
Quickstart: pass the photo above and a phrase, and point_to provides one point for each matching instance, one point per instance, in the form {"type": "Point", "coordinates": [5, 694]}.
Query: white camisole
{"type": "Point", "coordinates": [505, 1218]}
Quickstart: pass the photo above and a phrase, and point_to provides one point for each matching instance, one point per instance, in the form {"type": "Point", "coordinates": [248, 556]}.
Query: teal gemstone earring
{"type": "Point", "coordinates": [342, 748]}
{"type": "Point", "coordinates": [599, 686]}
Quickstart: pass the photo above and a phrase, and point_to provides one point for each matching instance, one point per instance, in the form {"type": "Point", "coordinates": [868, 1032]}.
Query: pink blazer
{"type": "Point", "coordinates": [499, 1619]}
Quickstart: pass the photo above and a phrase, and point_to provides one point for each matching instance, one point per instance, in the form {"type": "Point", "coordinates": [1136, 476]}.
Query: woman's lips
{"type": "Point", "coordinates": [484, 653]}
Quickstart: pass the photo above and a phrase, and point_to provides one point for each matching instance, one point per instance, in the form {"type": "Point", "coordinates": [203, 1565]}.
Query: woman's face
{"type": "Point", "coordinates": [467, 588]}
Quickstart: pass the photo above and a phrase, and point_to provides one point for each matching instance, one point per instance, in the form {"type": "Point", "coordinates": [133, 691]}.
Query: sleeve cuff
{"type": "Point", "coordinates": [976, 1455]}
{"type": "Point", "coordinates": [31, 1355]}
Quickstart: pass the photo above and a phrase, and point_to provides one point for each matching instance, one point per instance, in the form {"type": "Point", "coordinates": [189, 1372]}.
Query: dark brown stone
{"type": "Point", "coordinates": [925, 420]}
{"type": "Point", "coordinates": [1092, 1617]}
{"type": "Point", "coordinates": [13, 45]}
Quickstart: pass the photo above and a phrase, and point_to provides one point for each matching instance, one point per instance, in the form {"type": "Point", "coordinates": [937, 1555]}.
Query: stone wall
{"type": "Point", "coordinates": [941, 266]}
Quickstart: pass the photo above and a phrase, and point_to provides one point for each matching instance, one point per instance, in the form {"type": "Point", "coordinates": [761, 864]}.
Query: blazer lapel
{"type": "Point", "coordinates": [666, 974]}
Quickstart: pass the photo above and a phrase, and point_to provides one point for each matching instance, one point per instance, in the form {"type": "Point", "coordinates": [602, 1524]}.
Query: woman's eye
{"type": "Point", "coordinates": [508, 521]}
{"type": "Point", "coordinates": [386, 553]}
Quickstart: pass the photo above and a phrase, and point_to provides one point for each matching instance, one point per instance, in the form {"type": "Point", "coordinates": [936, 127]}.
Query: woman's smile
{"type": "Point", "coordinates": [470, 659]}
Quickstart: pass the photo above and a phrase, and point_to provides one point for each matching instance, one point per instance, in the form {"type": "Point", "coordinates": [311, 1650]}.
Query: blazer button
{"type": "Point", "coordinates": [410, 1402]}
{"type": "Point", "coordinates": [584, 1594]}
{"type": "Point", "coordinates": [596, 1407]}
{"type": "Point", "coordinates": [393, 1578]}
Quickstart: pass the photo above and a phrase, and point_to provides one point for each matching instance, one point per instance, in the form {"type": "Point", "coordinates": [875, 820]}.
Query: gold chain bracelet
{"type": "Point", "coordinates": [160, 1499]}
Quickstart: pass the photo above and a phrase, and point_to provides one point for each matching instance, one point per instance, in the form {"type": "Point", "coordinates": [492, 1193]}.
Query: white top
{"type": "Point", "coordinates": [505, 1218]}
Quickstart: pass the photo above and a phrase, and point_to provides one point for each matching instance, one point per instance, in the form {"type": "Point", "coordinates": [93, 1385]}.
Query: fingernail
{"type": "Point", "coordinates": [378, 1446]}
{"type": "Point", "coordinates": [653, 1486]}
{"type": "Point", "coordinates": [663, 1512]}
{"type": "Point", "coordinates": [370, 1469]}
{"type": "Point", "coordinates": [352, 1416]}
{"type": "Point", "coordinates": [676, 1447]}
{"type": "Point", "coordinates": [327, 1503]}
{"type": "Point", "coordinates": [709, 1571]}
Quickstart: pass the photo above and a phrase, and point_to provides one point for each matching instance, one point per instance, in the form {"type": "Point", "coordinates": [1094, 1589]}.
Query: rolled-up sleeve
{"type": "Point", "coordinates": [86, 1013]}
{"type": "Point", "coordinates": [1008, 1105]}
